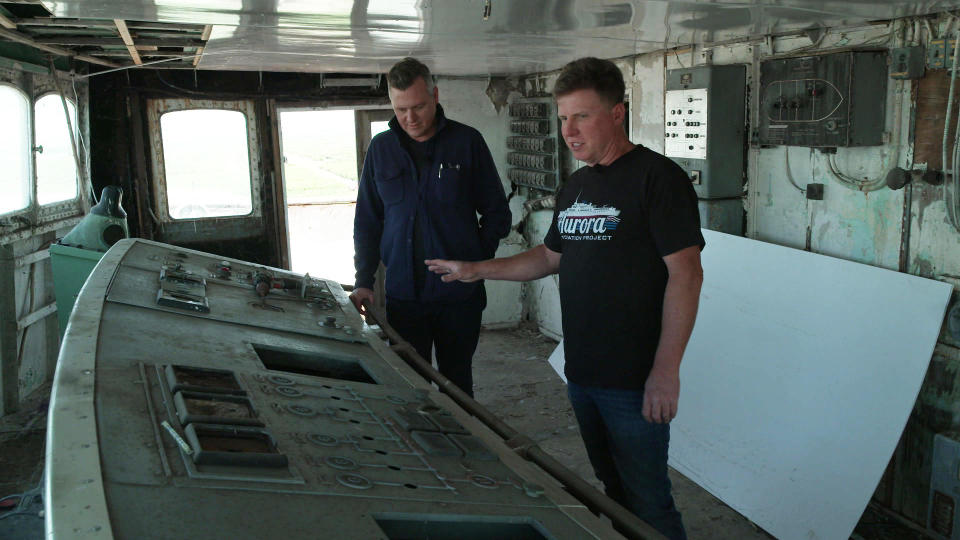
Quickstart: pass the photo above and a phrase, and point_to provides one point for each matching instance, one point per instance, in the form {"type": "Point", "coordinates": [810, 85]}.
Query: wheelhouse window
{"type": "Point", "coordinates": [15, 180]}
{"type": "Point", "coordinates": [57, 178]}
{"type": "Point", "coordinates": [206, 162]}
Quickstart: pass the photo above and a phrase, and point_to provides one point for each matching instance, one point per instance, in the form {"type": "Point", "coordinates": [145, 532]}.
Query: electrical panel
{"type": "Point", "coordinates": [906, 62]}
{"type": "Point", "coordinates": [823, 101]}
{"type": "Point", "coordinates": [533, 146]}
{"type": "Point", "coordinates": [704, 127]}
{"type": "Point", "coordinates": [940, 53]}
{"type": "Point", "coordinates": [943, 515]}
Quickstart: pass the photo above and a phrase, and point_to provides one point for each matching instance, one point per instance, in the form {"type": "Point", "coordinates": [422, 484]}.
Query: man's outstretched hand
{"type": "Point", "coordinates": [361, 298]}
{"type": "Point", "coordinates": [453, 270]}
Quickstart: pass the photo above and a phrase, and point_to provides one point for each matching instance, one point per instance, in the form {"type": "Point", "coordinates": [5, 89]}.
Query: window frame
{"type": "Point", "coordinates": [31, 162]}
{"type": "Point", "coordinates": [56, 208]}
{"type": "Point", "coordinates": [156, 108]}
{"type": "Point", "coordinates": [35, 219]}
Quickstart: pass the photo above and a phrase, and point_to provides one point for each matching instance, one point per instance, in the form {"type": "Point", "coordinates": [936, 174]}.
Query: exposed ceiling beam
{"type": "Point", "coordinates": [27, 40]}
{"type": "Point", "coordinates": [166, 26]}
{"type": "Point", "coordinates": [173, 65]}
{"type": "Point", "coordinates": [58, 22]}
{"type": "Point", "coordinates": [143, 54]}
{"type": "Point", "coordinates": [7, 23]}
{"type": "Point", "coordinates": [204, 37]}
{"type": "Point", "coordinates": [54, 22]}
{"type": "Point", "coordinates": [103, 41]}
{"type": "Point", "coordinates": [128, 40]}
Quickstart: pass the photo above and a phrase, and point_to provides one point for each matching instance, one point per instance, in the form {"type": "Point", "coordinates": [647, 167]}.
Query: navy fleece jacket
{"type": "Point", "coordinates": [460, 183]}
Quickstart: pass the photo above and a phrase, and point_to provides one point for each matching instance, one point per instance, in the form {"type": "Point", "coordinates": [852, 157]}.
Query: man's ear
{"type": "Point", "coordinates": [436, 94]}
{"type": "Point", "coordinates": [619, 113]}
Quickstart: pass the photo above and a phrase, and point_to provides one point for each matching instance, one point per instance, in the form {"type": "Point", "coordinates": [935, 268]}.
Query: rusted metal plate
{"type": "Point", "coordinates": [932, 92]}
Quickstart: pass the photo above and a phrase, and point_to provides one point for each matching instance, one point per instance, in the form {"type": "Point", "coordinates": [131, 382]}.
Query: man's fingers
{"type": "Point", "coordinates": [437, 266]}
{"type": "Point", "coordinates": [657, 410]}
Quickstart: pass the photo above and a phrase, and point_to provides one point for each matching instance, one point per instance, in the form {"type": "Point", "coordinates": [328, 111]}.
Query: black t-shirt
{"type": "Point", "coordinates": [614, 224]}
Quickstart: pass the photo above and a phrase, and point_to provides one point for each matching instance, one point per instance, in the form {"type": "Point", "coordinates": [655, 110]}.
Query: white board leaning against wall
{"type": "Point", "coordinates": [798, 380]}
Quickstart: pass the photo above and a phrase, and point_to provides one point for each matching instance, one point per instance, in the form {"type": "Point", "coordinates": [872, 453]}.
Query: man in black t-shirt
{"type": "Point", "coordinates": [626, 242]}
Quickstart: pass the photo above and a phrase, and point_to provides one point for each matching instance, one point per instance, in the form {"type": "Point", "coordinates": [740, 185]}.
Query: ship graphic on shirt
{"type": "Point", "coordinates": [586, 221]}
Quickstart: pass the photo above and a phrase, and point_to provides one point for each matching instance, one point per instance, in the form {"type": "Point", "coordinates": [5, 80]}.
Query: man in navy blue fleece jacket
{"type": "Point", "coordinates": [424, 182]}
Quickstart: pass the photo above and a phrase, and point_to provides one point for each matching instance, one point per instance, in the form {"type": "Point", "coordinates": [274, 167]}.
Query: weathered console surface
{"type": "Point", "coordinates": [187, 405]}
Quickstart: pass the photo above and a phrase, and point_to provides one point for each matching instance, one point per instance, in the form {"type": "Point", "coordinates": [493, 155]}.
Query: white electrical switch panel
{"type": "Point", "coordinates": [685, 123]}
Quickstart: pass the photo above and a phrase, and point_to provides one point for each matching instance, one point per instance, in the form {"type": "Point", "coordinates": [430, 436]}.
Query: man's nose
{"type": "Point", "coordinates": [569, 128]}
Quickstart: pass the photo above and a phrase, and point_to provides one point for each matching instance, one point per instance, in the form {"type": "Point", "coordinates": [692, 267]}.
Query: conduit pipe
{"type": "Point", "coordinates": [948, 201]}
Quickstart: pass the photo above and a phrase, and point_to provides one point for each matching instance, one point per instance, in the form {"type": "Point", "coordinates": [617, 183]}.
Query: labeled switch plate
{"type": "Point", "coordinates": [907, 62]}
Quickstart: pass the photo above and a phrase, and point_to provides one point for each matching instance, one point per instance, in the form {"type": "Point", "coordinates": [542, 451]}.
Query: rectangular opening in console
{"type": "Point", "coordinates": [197, 379]}
{"type": "Point", "coordinates": [215, 408]}
{"type": "Point", "coordinates": [460, 527]}
{"type": "Point", "coordinates": [233, 446]}
{"type": "Point", "coordinates": [312, 363]}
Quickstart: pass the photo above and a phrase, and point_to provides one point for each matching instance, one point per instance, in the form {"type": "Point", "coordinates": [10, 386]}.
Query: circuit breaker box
{"type": "Point", "coordinates": [534, 157]}
{"type": "Point", "coordinates": [823, 101]}
{"type": "Point", "coordinates": [943, 515]}
{"type": "Point", "coordinates": [704, 127]}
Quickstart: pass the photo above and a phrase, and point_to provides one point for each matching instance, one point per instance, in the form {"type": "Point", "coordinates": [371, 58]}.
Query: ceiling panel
{"type": "Point", "coordinates": [472, 37]}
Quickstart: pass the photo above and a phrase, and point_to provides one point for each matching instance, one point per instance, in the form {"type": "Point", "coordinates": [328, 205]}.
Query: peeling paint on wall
{"type": "Point", "coordinates": [499, 89]}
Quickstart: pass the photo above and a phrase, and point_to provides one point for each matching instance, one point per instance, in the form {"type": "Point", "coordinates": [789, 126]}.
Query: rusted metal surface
{"type": "Point", "coordinates": [279, 212]}
{"type": "Point", "coordinates": [141, 179]}
{"type": "Point", "coordinates": [932, 93]}
{"type": "Point", "coordinates": [9, 360]}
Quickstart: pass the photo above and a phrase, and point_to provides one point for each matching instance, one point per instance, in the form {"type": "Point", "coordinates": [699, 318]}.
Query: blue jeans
{"type": "Point", "coordinates": [628, 454]}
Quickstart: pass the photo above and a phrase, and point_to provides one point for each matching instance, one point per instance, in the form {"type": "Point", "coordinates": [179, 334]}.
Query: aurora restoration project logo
{"type": "Point", "coordinates": [584, 221]}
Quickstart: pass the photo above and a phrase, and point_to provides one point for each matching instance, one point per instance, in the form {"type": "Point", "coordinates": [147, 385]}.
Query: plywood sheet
{"type": "Point", "coordinates": [798, 381]}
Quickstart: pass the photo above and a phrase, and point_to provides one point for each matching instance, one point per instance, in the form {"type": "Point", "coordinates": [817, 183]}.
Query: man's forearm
{"type": "Point", "coordinates": [531, 264]}
{"type": "Point", "coordinates": [680, 301]}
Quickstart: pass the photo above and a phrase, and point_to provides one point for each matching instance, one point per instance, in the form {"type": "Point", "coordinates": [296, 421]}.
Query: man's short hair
{"type": "Point", "coordinates": [601, 76]}
{"type": "Point", "coordinates": [406, 72]}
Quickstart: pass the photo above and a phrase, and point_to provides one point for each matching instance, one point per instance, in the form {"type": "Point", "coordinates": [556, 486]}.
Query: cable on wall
{"type": "Point", "coordinates": [81, 169]}
{"type": "Point", "coordinates": [786, 162]}
{"type": "Point", "coordinates": [950, 200]}
{"type": "Point", "coordinates": [891, 159]}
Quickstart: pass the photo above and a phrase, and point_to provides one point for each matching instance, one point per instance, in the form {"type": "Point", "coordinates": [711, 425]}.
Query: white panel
{"type": "Point", "coordinates": [798, 381]}
{"type": "Point", "coordinates": [685, 123]}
